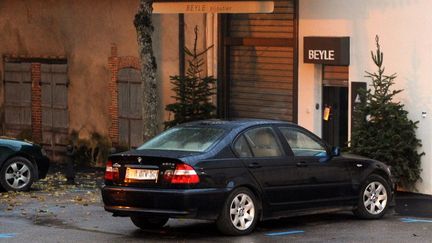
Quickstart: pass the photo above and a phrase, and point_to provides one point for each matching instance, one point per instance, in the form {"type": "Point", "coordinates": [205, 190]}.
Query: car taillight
{"type": "Point", "coordinates": [183, 174]}
{"type": "Point", "coordinates": [111, 173]}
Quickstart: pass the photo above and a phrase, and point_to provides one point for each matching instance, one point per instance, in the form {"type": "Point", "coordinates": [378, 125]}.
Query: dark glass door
{"type": "Point", "coordinates": [335, 115]}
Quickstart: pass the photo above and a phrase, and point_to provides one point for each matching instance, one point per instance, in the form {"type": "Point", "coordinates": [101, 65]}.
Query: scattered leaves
{"type": "Point", "coordinates": [53, 191]}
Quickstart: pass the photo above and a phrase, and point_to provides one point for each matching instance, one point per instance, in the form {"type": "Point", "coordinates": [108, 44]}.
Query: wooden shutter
{"type": "Point", "coordinates": [55, 113]}
{"type": "Point", "coordinates": [261, 62]}
{"type": "Point", "coordinates": [130, 107]}
{"type": "Point", "coordinates": [17, 79]}
{"type": "Point", "coordinates": [335, 76]}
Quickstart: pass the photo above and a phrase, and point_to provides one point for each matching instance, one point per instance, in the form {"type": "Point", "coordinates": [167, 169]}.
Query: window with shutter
{"type": "Point", "coordinates": [55, 113]}
{"type": "Point", "coordinates": [261, 62]}
{"type": "Point", "coordinates": [130, 107]}
{"type": "Point", "coordinates": [17, 81]}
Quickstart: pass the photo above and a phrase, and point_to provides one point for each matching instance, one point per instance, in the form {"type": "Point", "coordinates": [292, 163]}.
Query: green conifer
{"type": "Point", "coordinates": [192, 92]}
{"type": "Point", "coordinates": [382, 129]}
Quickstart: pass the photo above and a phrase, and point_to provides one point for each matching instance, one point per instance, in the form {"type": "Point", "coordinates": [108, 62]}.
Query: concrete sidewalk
{"type": "Point", "coordinates": [413, 204]}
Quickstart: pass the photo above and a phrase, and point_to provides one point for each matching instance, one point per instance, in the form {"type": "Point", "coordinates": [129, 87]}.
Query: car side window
{"type": "Point", "coordinates": [241, 148]}
{"type": "Point", "coordinates": [263, 142]}
{"type": "Point", "coordinates": [302, 144]}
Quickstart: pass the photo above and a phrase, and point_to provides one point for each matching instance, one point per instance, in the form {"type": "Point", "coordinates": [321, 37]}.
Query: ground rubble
{"type": "Point", "coordinates": [50, 197]}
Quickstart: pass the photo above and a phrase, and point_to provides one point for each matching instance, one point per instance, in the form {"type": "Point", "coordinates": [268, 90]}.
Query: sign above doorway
{"type": "Point", "coordinates": [167, 7]}
{"type": "Point", "coordinates": [327, 50]}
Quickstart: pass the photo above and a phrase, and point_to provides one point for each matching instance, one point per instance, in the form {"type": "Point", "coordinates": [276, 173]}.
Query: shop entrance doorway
{"type": "Point", "coordinates": [335, 105]}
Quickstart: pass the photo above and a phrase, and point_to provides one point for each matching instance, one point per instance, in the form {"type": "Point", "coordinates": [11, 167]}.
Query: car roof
{"type": "Point", "coordinates": [235, 123]}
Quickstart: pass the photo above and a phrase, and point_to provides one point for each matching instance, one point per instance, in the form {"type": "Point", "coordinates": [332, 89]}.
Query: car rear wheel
{"type": "Point", "coordinates": [239, 215]}
{"type": "Point", "coordinates": [17, 174]}
{"type": "Point", "coordinates": [374, 198]}
{"type": "Point", "coordinates": [144, 222]}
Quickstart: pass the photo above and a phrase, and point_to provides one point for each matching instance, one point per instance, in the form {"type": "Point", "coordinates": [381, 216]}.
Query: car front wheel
{"type": "Point", "coordinates": [144, 223]}
{"type": "Point", "coordinates": [239, 214]}
{"type": "Point", "coordinates": [17, 174]}
{"type": "Point", "coordinates": [374, 198]}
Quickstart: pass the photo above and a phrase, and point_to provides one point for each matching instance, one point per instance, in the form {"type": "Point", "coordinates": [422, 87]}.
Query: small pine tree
{"type": "Point", "coordinates": [192, 92]}
{"type": "Point", "coordinates": [382, 129]}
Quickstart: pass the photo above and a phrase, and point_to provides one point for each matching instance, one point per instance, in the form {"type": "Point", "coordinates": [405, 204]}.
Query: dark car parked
{"type": "Point", "coordinates": [21, 164]}
{"type": "Point", "coordinates": [240, 172]}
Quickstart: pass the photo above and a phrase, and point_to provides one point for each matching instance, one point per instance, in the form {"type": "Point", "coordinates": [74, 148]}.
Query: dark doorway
{"type": "Point", "coordinates": [335, 115]}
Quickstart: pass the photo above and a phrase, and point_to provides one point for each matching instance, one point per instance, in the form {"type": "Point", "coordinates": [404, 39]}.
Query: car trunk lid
{"type": "Point", "coordinates": [153, 170]}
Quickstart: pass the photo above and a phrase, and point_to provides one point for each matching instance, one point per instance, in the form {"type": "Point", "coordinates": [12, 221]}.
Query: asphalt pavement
{"type": "Point", "coordinates": [413, 204]}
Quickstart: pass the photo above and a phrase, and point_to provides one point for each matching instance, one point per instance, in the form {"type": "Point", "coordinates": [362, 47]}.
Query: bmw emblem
{"type": "Point", "coordinates": [139, 160]}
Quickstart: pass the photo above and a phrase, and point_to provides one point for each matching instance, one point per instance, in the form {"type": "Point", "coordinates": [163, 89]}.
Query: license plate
{"type": "Point", "coordinates": [141, 174]}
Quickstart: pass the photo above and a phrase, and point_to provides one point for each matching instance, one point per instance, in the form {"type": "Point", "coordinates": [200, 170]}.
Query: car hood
{"type": "Point", "coordinates": [359, 157]}
{"type": "Point", "coordinates": [354, 156]}
{"type": "Point", "coordinates": [14, 142]}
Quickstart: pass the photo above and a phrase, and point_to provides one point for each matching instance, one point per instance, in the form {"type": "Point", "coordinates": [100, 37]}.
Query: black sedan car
{"type": "Point", "coordinates": [21, 164]}
{"type": "Point", "coordinates": [240, 172]}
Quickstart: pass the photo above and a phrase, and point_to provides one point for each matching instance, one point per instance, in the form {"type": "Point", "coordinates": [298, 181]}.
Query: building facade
{"type": "Point", "coordinates": [66, 67]}
{"type": "Point", "coordinates": [405, 38]}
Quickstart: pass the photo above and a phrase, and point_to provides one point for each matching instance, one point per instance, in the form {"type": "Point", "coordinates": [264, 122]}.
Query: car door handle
{"type": "Point", "coordinates": [301, 164]}
{"type": "Point", "coordinates": [254, 165]}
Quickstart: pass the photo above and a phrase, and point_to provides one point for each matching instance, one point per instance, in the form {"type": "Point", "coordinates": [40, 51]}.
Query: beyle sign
{"type": "Point", "coordinates": [321, 55]}
{"type": "Point", "coordinates": [326, 50]}
{"type": "Point", "coordinates": [183, 6]}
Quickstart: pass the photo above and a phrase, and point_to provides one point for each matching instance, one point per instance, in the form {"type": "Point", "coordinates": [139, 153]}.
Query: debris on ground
{"type": "Point", "coordinates": [84, 192]}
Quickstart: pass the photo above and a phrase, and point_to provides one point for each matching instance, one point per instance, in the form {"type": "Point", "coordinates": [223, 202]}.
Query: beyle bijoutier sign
{"type": "Point", "coordinates": [327, 50]}
{"type": "Point", "coordinates": [171, 6]}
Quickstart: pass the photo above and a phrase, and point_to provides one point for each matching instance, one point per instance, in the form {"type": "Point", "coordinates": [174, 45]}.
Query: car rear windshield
{"type": "Point", "coordinates": [194, 139]}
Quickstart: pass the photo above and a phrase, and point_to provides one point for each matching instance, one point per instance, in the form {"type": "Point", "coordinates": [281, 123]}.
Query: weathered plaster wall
{"type": "Point", "coordinates": [165, 46]}
{"type": "Point", "coordinates": [83, 32]}
{"type": "Point", "coordinates": [405, 37]}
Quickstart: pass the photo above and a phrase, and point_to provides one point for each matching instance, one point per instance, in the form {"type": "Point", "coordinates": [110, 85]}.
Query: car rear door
{"type": "Point", "coordinates": [261, 151]}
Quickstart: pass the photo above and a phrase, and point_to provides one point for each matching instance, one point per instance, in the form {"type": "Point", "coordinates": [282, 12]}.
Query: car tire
{"type": "Point", "coordinates": [240, 213]}
{"type": "Point", "coordinates": [144, 222]}
{"type": "Point", "coordinates": [374, 198]}
{"type": "Point", "coordinates": [17, 174]}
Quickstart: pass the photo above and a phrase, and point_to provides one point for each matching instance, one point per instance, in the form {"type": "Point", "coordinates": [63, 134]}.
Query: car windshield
{"type": "Point", "coordinates": [194, 139]}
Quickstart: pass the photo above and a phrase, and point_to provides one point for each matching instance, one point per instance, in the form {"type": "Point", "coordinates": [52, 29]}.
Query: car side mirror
{"type": "Point", "coordinates": [335, 151]}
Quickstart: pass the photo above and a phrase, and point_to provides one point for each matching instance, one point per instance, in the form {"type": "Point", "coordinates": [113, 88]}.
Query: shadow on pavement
{"type": "Point", "coordinates": [202, 230]}
{"type": "Point", "coordinates": [180, 229]}
{"type": "Point", "coordinates": [412, 204]}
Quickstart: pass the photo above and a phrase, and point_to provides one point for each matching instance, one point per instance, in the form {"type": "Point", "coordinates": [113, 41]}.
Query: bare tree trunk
{"type": "Point", "coordinates": [144, 27]}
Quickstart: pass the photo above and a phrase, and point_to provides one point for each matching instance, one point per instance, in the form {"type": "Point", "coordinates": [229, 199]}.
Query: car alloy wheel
{"type": "Point", "coordinates": [242, 211]}
{"type": "Point", "coordinates": [375, 198]}
{"type": "Point", "coordinates": [17, 174]}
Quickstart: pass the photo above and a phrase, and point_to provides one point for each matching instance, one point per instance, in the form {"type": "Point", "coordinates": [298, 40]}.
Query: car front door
{"type": "Point", "coordinates": [321, 179]}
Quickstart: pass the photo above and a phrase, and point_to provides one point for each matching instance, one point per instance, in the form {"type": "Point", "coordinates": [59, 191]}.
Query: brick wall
{"type": "Point", "coordinates": [36, 103]}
